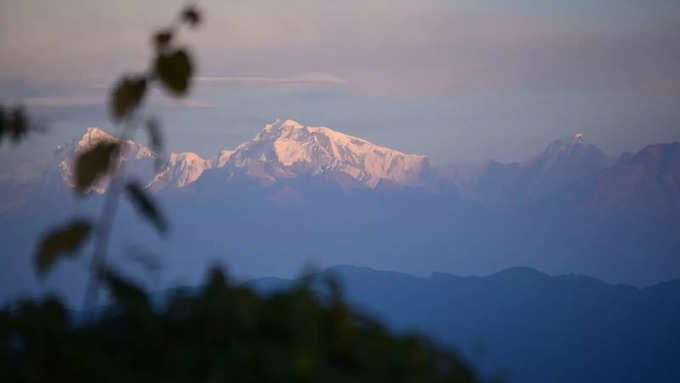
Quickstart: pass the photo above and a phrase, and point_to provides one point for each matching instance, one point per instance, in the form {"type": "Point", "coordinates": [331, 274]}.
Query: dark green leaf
{"type": "Point", "coordinates": [126, 96]}
{"type": "Point", "coordinates": [94, 164]}
{"type": "Point", "coordinates": [191, 16]}
{"type": "Point", "coordinates": [162, 39]}
{"type": "Point", "coordinates": [129, 296]}
{"type": "Point", "coordinates": [146, 206]}
{"type": "Point", "coordinates": [60, 242]}
{"type": "Point", "coordinates": [174, 69]}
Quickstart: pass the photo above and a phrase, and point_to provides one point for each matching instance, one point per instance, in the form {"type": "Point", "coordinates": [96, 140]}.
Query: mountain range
{"type": "Point", "coordinates": [522, 325]}
{"type": "Point", "coordinates": [286, 150]}
{"type": "Point", "coordinates": [282, 150]}
{"type": "Point", "coordinates": [296, 194]}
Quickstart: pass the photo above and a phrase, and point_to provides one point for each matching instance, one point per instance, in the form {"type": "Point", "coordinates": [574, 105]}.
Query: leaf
{"type": "Point", "coordinates": [61, 242]}
{"type": "Point", "coordinates": [191, 16]}
{"type": "Point", "coordinates": [146, 206]}
{"type": "Point", "coordinates": [126, 96]}
{"type": "Point", "coordinates": [129, 296]}
{"type": "Point", "coordinates": [162, 39]}
{"type": "Point", "coordinates": [93, 164]}
{"type": "Point", "coordinates": [174, 69]}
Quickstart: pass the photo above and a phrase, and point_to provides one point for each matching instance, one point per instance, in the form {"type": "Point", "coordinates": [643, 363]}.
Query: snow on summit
{"type": "Point", "coordinates": [283, 149]}
{"type": "Point", "coordinates": [286, 149]}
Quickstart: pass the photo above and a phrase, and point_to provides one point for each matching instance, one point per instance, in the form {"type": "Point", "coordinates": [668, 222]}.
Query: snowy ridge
{"type": "Point", "coordinates": [93, 136]}
{"type": "Point", "coordinates": [281, 150]}
{"type": "Point", "coordinates": [286, 149]}
{"type": "Point", "coordinates": [181, 169]}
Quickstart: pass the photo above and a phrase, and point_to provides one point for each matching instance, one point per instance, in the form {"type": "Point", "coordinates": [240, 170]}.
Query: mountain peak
{"type": "Point", "coordinates": [181, 170]}
{"type": "Point", "coordinates": [287, 149]}
{"type": "Point", "coordinates": [93, 136]}
{"type": "Point", "coordinates": [568, 144]}
{"type": "Point", "coordinates": [570, 152]}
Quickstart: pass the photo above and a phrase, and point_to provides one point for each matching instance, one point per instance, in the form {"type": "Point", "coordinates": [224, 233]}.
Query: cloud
{"type": "Point", "coordinates": [184, 103]}
{"type": "Point", "coordinates": [423, 47]}
{"type": "Point", "coordinates": [68, 101]}
{"type": "Point", "coordinates": [63, 101]}
{"type": "Point", "coordinates": [307, 78]}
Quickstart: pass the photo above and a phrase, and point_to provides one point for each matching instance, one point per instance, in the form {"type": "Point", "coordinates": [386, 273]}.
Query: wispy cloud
{"type": "Point", "coordinates": [306, 78]}
{"type": "Point", "coordinates": [193, 104]}
{"type": "Point", "coordinates": [63, 101]}
{"type": "Point", "coordinates": [423, 47]}
{"type": "Point", "coordinates": [69, 101]}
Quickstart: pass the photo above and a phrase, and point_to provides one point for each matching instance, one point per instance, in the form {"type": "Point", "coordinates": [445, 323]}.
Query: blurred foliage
{"type": "Point", "coordinates": [60, 242]}
{"type": "Point", "coordinates": [126, 96]}
{"type": "Point", "coordinates": [146, 206]}
{"type": "Point", "coordinates": [191, 16]}
{"type": "Point", "coordinates": [172, 69]}
{"type": "Point", "coordinates": [224, 333]}
{"type": "Point", "coordinates": [15, 124]}
{"type": "Point", "coordinates": [95, 163]}
{"type": "Point", "coordinates": [153, 127]}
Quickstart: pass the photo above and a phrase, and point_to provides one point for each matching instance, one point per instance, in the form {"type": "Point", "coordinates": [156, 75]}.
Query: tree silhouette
{"type": "Point", "coordinates": [223, 333]}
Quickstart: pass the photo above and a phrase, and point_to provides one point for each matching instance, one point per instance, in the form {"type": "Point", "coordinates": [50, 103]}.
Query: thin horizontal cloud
{"type": "Point", "coordinates": [63, 101]}
{"type": "Point", "coordinates": [307, 78]}
{"type": "Point", "coordinates": [99, 100]}
{"type": "Point", "coordinates": [193, 104]}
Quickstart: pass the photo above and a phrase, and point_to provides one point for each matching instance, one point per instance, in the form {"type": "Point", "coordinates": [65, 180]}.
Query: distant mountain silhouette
{"type": "Point", "coordinates": [644, 184]}
{"type": "Point", "coordinates": [527, 326]}
{"type": "Point", "coordinates": [563, 162]}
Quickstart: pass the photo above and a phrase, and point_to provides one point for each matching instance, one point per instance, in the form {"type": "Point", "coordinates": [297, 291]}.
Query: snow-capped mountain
{"type": "Point", "coordinates": [282, 150]}
{"type": "Point", "coordinates": [286, 149]}
{"type": "Point", "coordinates": [568, 208]}
{"type": "Point", "coordinates": [181, 169]}
{"type": "Point", "coordinates": [138, 157]}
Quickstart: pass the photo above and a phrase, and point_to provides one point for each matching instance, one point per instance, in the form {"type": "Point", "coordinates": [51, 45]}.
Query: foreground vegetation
{"type": "Point", "coordinates": [225, 332]}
